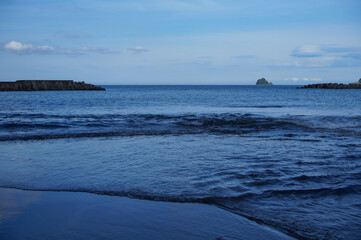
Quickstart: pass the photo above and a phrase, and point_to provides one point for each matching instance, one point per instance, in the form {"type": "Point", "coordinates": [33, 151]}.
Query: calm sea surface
{"type": "Point", "coordinates": [286, 157]}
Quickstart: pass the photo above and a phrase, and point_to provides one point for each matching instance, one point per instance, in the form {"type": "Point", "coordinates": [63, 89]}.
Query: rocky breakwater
{"type": "Point", "coordinates": [47, 85]}
{"type": "Point", "coordinates": [355, 85]}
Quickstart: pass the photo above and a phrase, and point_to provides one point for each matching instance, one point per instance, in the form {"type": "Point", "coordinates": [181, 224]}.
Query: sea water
{"type": "Point", "coordinates": [285, 157]}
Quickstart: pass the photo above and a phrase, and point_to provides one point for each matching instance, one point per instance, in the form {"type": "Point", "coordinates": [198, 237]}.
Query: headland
{"type": "Point", "coordinates": [47, 85]}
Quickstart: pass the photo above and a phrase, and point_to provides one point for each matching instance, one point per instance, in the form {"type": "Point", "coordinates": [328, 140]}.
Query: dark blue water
{"type": "Point", "coordinates": [285, 157]}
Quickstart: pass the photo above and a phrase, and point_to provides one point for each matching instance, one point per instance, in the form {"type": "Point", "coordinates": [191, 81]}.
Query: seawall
{"type": "Point", "coordinates": [47, 85]}
{"type": "Point", "coordinates": [334, 86]}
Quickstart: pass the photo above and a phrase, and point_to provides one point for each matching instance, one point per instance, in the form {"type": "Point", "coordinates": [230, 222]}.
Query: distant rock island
{"type": "Point", "coordinates": [263, 81]}
{"type": "Point", "coordinates": [46, 85]}
{"type": "Point", "coordinates": [354, 85]}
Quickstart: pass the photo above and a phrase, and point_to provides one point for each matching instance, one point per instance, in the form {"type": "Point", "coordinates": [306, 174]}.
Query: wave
{"type": "Point", "coordinates": [257, 106]}
{"type": "Point", "coordinates": [84, 135]}
{"type": "Point", "coordinates": [221, 200]}
{"type": "Point", "coordinates": [19, 126]}
{"type": "Point", "coordinates": [32, 125]}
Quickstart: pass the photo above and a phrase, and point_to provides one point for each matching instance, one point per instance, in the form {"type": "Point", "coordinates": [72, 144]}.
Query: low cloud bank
{"type": "Point", "coordinates": [22, 48]}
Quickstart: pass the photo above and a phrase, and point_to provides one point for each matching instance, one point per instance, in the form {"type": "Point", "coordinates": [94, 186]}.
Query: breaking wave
{"type": "Point", "coordinates": [41, 126]}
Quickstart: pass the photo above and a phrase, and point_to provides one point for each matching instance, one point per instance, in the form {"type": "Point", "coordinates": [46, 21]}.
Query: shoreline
{"type": "Point", "coordinates": [69, 215]}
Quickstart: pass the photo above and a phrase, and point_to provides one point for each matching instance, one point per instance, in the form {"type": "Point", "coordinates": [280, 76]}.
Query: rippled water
{"type": "Point", "coordinates": [285, 157]}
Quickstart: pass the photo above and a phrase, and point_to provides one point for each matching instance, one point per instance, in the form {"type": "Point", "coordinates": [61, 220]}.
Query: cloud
{"type": "Point", "coordinates": [16, 46]}
{"type": "Point", "coordinates": [313, 51]}
{"type": "Point", "coordinates": [307, 51]}
{"type": "Point", "coordinates": [303, 79]}
{"type": "Point", "coordinates": [316, 62]}
{"type": "Point", "coordinates": [96, 50]}
{"type": "Point", "coordinates": [316, 56]}
{"type": "Point", "coordinates": [20, 48]}
{"type": "Point", "coordinates": [138, 49]}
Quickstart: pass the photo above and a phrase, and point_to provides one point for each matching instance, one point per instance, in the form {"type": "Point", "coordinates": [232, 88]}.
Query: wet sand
{"type": "Point", "coordinates": [75, 215]}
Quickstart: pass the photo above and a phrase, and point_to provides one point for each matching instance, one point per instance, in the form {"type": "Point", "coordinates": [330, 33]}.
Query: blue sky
{"type": "Point", "coordinates": [181, 41]}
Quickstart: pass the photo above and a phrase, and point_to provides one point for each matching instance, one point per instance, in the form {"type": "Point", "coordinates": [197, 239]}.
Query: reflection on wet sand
{"type": "Point", "coordinates": [70, 215]}
{"type": "Point", "coordinates": [13, 202]}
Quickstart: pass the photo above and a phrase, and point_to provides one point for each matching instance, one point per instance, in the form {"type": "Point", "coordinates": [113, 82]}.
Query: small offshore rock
{"type": "Point", "coordinates": [263, 81]}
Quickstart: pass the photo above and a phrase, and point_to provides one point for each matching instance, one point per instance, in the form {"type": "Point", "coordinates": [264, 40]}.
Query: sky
{"type": "Point", "coordinates": [231, 42]}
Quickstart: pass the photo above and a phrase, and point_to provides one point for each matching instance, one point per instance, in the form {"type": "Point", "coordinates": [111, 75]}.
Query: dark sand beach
{"type": "Point", "coordinates": [70, 215]}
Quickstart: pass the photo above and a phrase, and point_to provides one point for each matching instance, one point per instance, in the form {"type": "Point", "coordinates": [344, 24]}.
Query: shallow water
{"type": "Point", "coordinates": [286, 157]}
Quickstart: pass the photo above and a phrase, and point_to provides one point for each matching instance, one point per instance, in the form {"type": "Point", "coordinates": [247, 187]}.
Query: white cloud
{"type": "Point", "coordinates": [294, 79]}
{"type": "Point", "coordinates": [138, 49]}
{"type": "Point", "coordinates": [20, 48]}
{"type": "Point", "coordinates": [46, 48]}
{"type": "Point", "coordinates": [17, 46]}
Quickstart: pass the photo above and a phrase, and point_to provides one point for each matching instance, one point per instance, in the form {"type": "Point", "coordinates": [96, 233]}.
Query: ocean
{"type": "Point", "coordinates": [285, 157]}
